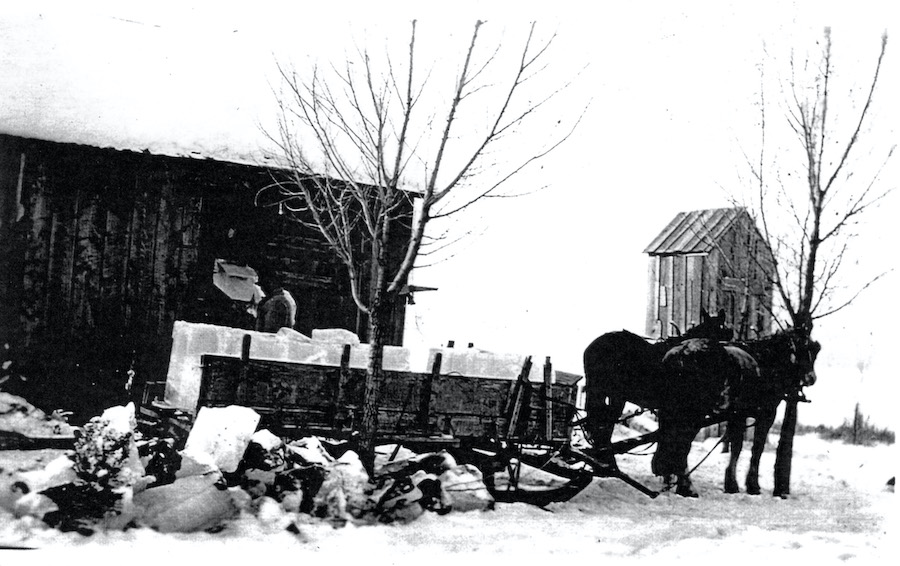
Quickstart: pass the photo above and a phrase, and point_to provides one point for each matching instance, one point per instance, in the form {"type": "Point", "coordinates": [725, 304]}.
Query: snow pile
{"type": "Point", "coordinates": [114, 479]}
{"type": "Point", "coordinates": [18, 416]}
{"type": "Point", "coordinates": [106, 451]}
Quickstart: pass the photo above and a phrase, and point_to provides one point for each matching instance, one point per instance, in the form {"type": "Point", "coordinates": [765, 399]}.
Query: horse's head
{"type": "Point", "coordinates": [804, 351]}
{"type": "Point", "coordinates": [711, 327]}
{"type": "Point", "coordinates": [791, 354]}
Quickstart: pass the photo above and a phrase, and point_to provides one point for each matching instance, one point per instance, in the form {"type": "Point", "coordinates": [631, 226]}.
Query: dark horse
{"type": "Point", "coordinates": [622, 366]}
{"type": "Point", "coordinates": [735, 382]}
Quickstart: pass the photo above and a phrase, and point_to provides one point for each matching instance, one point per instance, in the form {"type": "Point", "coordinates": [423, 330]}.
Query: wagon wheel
{"type": "Point", "coordinates": [503, 468]}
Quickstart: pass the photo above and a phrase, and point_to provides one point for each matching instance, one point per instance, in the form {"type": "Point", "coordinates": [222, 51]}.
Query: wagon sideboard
{"type": "Point", "coordinates": [301, 398]}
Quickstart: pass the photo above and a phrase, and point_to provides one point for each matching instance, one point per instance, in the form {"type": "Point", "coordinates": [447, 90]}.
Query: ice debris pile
{"type": "Point", "coordinates": [115, 479]}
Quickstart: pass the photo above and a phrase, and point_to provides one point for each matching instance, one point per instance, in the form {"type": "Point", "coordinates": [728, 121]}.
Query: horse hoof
{"type": "Point", "coordinates": [753, 491]}
{"type": "Point", "coordinates": [732, 489]}
{"type": "Point", "coordinates": [686, 492]}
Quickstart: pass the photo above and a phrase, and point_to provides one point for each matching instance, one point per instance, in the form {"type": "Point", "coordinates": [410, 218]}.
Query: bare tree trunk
{"type": "Point", "coordinates": [785, 450]}
{"type": "Point", "coordinates": [379, 326]}
{"type": "Point", "coordinates": [380, 311]}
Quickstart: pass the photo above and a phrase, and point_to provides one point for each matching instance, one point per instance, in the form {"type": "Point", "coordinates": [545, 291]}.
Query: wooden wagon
{"type": "Point", "coordinates": [499, 425]}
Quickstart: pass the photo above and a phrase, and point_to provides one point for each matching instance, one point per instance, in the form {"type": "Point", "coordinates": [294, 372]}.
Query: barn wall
{"type": "Point", "coordinates": [102, 250]}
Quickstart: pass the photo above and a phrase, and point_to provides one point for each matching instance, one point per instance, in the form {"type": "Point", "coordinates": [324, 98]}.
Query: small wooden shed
{"type": "Point", "coordinates": [710, 259]}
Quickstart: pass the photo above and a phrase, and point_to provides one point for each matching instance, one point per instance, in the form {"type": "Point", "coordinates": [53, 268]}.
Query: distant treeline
{"type": "Point", "coordinates": [861, 432]}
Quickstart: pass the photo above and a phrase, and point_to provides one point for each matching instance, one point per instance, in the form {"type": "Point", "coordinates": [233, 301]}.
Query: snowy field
{"type": "Point", "coordinates": [840, 512]}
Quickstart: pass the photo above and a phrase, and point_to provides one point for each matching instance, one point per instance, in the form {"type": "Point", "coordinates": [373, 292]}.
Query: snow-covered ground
{"type": "Point", "coordinates": [840, 511]}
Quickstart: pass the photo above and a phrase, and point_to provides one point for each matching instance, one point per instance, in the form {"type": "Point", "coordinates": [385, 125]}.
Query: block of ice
{"type": "Point", "coordinates": [223, 433]}
{"type": "Point", "coordinates": [291, 334]}
{"type": "Point", "coordinates": [190, 341]}
{"type": "Point", "coordinates": [474, 362]}
{"type": "Point", "coordinates": [335, 335]}
{"type": "Point", "coordinates": [189, 504]}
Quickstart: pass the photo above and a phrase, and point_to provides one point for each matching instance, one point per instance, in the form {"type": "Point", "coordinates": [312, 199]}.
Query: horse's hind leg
{"type": "Point", "coordinates": [760, 434]}
{"type": "Point", "coordinates": [734, 440]}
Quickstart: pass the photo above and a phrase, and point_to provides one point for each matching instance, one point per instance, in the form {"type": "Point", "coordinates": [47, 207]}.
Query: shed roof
{"type": "Point", "coordinates": [566, 378]}
{"type": "Point", "coordinates": [695, 232]}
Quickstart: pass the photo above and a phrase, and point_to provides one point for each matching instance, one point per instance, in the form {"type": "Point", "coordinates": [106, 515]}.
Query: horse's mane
{"type": "Point", "coordinates": [778, 337]}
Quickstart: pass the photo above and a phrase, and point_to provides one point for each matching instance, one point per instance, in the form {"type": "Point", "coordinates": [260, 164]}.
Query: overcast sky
{"type": "Point", "coordinates": [672, 88]}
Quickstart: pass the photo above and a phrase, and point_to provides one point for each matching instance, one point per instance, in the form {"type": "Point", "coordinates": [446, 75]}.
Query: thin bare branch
{"type": "Point", "coordinates": [862, 115]}
{"type": "Point", "coordinates": [849, 301]}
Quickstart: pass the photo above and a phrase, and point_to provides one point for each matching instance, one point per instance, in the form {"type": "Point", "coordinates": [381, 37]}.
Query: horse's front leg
{"type": "Point", "coordinates": [761, 428]}
{"type": "Point", "coordinates": [602, 417]}
{"type": "Point", "coordinates": [734, 440]}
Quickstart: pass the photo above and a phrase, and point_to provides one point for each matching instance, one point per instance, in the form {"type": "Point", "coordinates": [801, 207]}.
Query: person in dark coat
{"type": "Point", "coordinates": [279, 310]}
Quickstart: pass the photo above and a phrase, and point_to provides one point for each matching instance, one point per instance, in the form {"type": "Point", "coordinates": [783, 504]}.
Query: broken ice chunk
{"type": "Point", "coordinates": [223, 433]}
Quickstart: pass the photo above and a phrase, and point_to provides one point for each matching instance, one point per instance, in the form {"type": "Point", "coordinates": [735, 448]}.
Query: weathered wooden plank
{"type": "Point", "coordinates": [465, 395]}
{"type": "Point", "coordinates": [651, 324]}
{"type": "Point", "coordinates": [548, 399]}
{"type": "Point", "coordinates": [86, 256]}
{"type": "Point", "coordinates": [678, 291]}
{"type": "Point", "coordinates": [694, 288]}
{"type": "Point", "coordinates": [161, 251]}
{"type": "Point", "coordinates": [665, 295]}
{"type": "Point", "coordinates": [139, 275]}
{"type": "Point", "coordinates": [36, 285]}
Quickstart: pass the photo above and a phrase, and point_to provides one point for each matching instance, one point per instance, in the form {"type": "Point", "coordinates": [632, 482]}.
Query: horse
{"type": "Point", "coordinates": [736, 381]}
{"type": "Point", "coordinates": [786, 365]}
{"type": "Point", "coordinates": [701, 378]}
{"type": "Point", "coordinates": [622, 367]}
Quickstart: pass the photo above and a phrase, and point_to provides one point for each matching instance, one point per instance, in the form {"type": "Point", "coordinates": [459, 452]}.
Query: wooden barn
{"type": "Point", "coordinates": [101, 250]}
{"type": "Point", "coordinates": [710, 259]}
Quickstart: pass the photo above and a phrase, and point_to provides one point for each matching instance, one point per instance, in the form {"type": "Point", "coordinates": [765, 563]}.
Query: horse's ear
{"type": "Point", "coordinates": [722, 315]}
{"type": "Point", "coordinates": [704, 315]}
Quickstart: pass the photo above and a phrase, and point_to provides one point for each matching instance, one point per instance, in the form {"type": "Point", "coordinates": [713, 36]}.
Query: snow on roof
{"type": "Point", "coordinates": [163, 148]}
{"type": "Point", "coordinates": [107, 78]}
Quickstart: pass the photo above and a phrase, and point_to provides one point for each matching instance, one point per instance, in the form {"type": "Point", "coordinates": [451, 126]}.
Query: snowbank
{"type": "Point", "coordinates": [18, 416]}
{"type": "Point", "coordinates": [839, 513]}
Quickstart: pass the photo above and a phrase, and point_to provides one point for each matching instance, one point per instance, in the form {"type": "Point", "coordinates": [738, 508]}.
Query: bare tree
{"type": "Point", "coordinates": [808, 206]}
{"type": "Point", "coordinates": [352, 136]}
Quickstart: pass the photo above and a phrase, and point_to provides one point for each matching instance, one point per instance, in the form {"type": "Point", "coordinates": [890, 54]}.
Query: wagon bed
{"type": "Point", "coordinates": [413, 408]}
